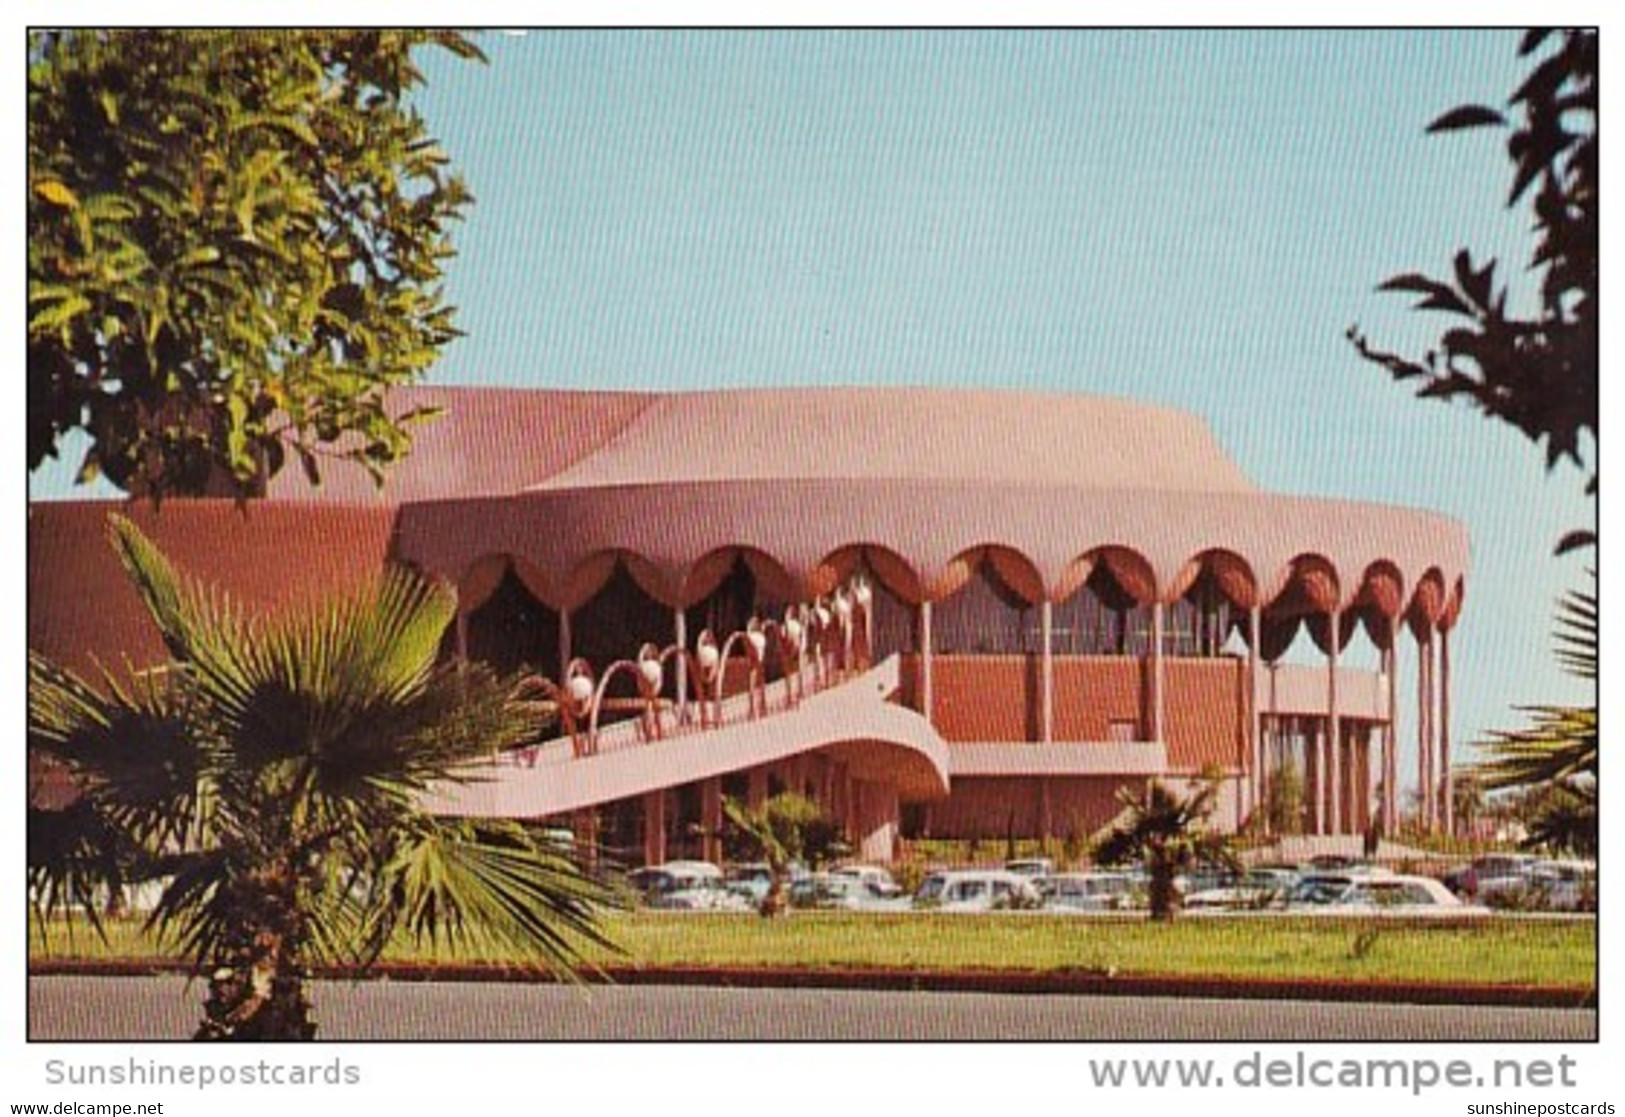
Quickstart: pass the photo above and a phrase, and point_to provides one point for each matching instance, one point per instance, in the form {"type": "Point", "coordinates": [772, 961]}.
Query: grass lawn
{"type": "Point", "coordinates": [1494, 951]}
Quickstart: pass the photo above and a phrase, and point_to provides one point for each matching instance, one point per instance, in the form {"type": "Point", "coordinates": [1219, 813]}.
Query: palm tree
{"type": "Point", "coordinates": [1167, 832]}
{"type": "Point", "coordinates": [1468, 801]}
{"type": "Point", "coordinates": [270, 774]}
{"type": "Point", "coordinates": [1557, 750]}
{"type": "Point", "coordinates": [785, 829]}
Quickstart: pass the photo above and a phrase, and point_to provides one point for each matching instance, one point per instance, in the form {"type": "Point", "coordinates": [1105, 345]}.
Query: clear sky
{"type": "Point", "coordinates": [1187, 218]}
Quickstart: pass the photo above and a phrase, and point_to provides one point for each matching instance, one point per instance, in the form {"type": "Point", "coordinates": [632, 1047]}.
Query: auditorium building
{"type": "Point", "coordinates": [941, 612]}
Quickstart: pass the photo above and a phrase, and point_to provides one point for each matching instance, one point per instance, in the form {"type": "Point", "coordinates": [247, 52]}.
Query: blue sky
{"type": "Point", "coordinates": [1187, 218]}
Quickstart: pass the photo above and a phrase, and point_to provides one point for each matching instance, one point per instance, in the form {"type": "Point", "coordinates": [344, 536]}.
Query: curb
{"type": "Point", "coordinates": [1060, 983]}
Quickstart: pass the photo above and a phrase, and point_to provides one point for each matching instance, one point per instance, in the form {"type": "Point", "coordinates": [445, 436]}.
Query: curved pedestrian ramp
{"type": "Point", "coordinates": [853, 719]}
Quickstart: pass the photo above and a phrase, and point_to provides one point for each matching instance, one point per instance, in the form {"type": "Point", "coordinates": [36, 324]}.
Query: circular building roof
{"type": "Point", "coordinates": [908, 434]}
{"type": "Point", "coordinates": [918, 484]}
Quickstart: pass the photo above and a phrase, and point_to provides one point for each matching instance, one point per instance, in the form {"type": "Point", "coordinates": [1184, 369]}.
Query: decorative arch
{"type": "Point", "coordinates": [590, 575]}
{"type": "Point", "coordinates": [1015, 572]}
{"type": "Point", "coordinates": [1307, 585]}
{"type": "Point", "coordinates": [613, 608]}
{"type": "Point", "coordinates": [889, 568]}
{"type": "Point", "coordinates": [1427, 603]}
{"type": "Point", "coordinates": [506, 616]}
{"type": "Point", "coordinates": [1382, 588]}
{"type": "Point", "coordinates": [709, 571]}
{"type": "Point", "coordinates": [1107, 593]}
{"type": "Point", "coordinates": [479, 580]}
{"type": "Point", "coordinates": [1232, 575]}
{"type": "Point", "coordinates": [1129, 569]}
{"type": "Point", "coordinates": [1452, 610]}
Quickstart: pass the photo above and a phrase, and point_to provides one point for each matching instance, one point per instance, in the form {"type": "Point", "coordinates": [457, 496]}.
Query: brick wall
{"type": "Point", "coordinates": [267, 556]}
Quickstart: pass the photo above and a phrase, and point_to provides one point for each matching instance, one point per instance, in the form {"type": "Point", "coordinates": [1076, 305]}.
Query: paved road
{"type": "Point", "coordinates": [164, 1008]}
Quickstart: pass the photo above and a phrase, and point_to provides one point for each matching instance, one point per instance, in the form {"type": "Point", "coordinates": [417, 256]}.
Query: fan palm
{"type": "Point", "coordinates": [1168, 832]}
{"type": "Point", "coordinates": [785, 829]}
{"type": "Point", "coordinates": [271, 773]}
{"type": "Point", "coordinates": [1558, 749]}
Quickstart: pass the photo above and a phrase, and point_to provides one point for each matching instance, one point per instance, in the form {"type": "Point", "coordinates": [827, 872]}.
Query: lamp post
{"type": "Point", "coordinates": [821, 619]}
{"type": "Point", "coordinates": [842, 606]}
{"type": "Point", "coordinates": [793, 633]}
{"type": "Point", "coordinates": [863, 595]}
{"type": "Point", "coordinates": [709, 658]}
{"type": "Point", "coordinates": [577, 707]}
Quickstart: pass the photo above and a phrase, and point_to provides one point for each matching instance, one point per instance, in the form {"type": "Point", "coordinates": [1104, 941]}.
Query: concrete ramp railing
{"type": "Point", "coordinates": [553, 779]}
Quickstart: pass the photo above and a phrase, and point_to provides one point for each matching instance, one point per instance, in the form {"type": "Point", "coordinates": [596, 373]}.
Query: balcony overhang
{"type": "Point", "coordinates": [1057, 758]}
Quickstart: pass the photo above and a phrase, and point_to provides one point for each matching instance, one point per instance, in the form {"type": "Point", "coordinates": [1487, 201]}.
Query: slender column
{"type": "Point", "coordinates": [1424, 729]}
{"type": "Point", "coordinates": [462, 636]}
{"type": "Point", "coordinates": [1447, 805]}
{"type": "Point", "coordinates": [925, 659]}
{"type": "Point", "coordinates": [756, 787]}
{"type": "Point", "coordinates": [680, 630]}
{"type": "Point", "coordinates": [711, 818]}
{"type": "Point", "coordinates": [584, 824]}
{"type": "Point", "coordinates": [1046, 620]}
{"type": "Point", "coordinates": [869, 631]}
{"type": "Point", "coordinates": [1390, 740]}
{"type": "Point", "coordinates": [1334, 730]}
{"type": "Point", "coordinates": [1313, 777]}
{"type": "Point", "coordinates": [564, 643]}
{"type": "Point", "coordinates": [1046, 816]}
{"type": "Point", "coordinates": [1254, 720]}
{"type": "Point", "coordinates": [654, 827]}
{"type": "Point", "coordinates": [1156, 671]}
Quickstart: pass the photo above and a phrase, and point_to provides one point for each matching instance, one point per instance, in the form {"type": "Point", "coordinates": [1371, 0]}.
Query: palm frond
{"type": "Point", "coordinates": [76, 861]}
{"type": "Point", "coordinates": [134, 766]}
{"type": "Point", "coordinates": [1576, 634]}
{"type": "Point", "coordinates": [1559, 745]}
{"type": "Point", "coordinates": [274, 771]}
{"type": "Point", "coordinates": [489, 887]}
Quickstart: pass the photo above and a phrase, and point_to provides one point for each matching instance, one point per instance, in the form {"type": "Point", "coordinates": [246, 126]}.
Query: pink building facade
{"type": "Point", "coordinates": [1046, 598]}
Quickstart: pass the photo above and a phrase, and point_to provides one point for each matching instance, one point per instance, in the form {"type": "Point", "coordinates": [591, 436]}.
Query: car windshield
{"type": "Point", "coordinates": [1320, 890]}
{"type": "Point", "coordinates": [931, 888]}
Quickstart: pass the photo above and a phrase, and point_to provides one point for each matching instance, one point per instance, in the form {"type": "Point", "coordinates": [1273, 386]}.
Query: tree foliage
{"type": "Point", "coordinates": [235, 242]}
{"type": "Point", "coordinates": [270, 776]}
{"type": "Point", "coordinates": [1167, 831]}
{"type": "Point", "coordinates": [1285, 799]}
{"type": "Point", "coordinates": [1556, 752]}
{"type": "Point", "coordinates": [785, 829]}
{"type": "Point", "coordinates": [1538, 372]}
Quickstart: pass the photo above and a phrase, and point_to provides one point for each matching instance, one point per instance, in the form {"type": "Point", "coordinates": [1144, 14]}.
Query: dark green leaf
{"type": "Point", "coordinates": [1466, 116]}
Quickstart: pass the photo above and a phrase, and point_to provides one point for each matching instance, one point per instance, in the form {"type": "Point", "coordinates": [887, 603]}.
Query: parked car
{"type": "Point", "coordinates": [877, 880]}
{"type": "Point", "coordinates": [752, 879]}
{"type": "Point", "coordinates": [976, 890]}
{"type": "Point", "coordinates": [844, 892]}
{"type": "Point", "coordinates": [1255, 890]}
{"type": "Point", "coordinates": [1547, 886]}
{"type": "Point", "coordinates": [685, 886]}
{"type": "Point", "coordinates": [1032, 867]}
{"type": "Point", "coordinates": [1468, 879]}
{"type": "Point", "coordinates": [1091, 892]}
{"type": "Point", "coordinates": [1376, 894]}
{"type": "Point", "coordinates": [1203, 879]}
